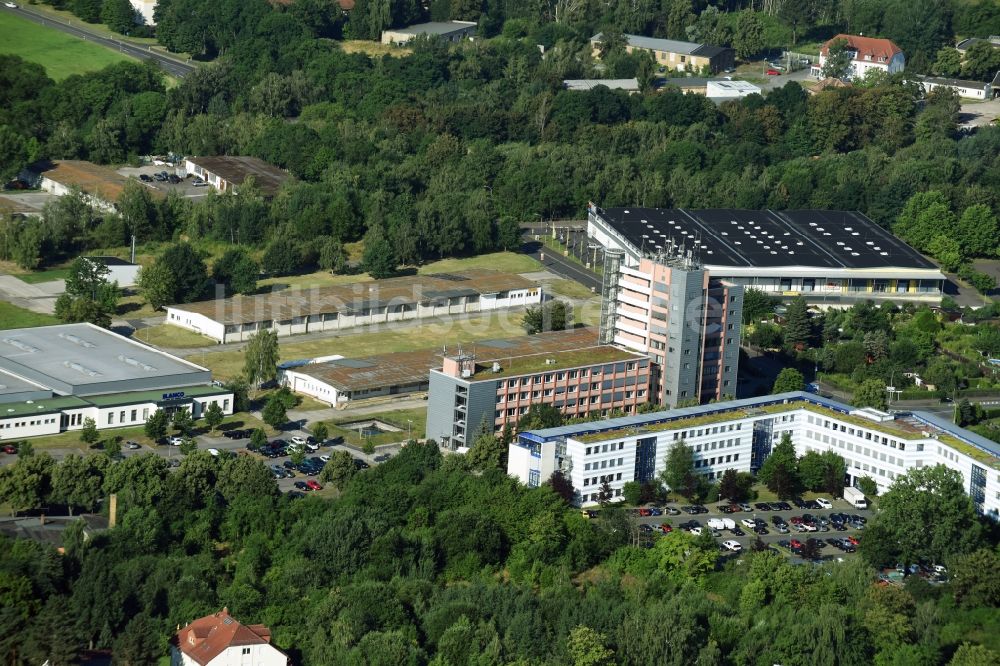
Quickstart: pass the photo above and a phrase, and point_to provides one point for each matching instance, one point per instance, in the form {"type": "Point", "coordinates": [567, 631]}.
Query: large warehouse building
{"type": "Point", "coordinates": [739, 435]}
{"type": "Point", "coordinates": [830, 257]}
{"type": "Point", "coordinates": [53, 378]}
{"type": "Point", "coordinates": [294, 311]}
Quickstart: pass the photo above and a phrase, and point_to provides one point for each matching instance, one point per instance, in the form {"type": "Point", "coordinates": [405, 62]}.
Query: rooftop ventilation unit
{"type": "Point", "coordinates": [136, 363]}
{"type": "Point", "coordinates": [83, 370]}
{"type": "Point", "coordinates": [76, 340]}
{"type": "Point", "coordinates": [23, 346]}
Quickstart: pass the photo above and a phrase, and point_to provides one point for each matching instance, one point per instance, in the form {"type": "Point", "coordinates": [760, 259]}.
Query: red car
{"type": "Point", "coordinates": [773, 72]}
{"type": "Point", "coordinates": [645, 512]}
{"type": "Point", "coordinates": [10, 448]}
{"type": "Point", "coordinates": [795, 520]}
{"type": "Point", "coordinates": [795, 544]}
{"type": "Point", "coordinates": [853, 539]}
{"type": "Point", "coordinates": [667, 529]}
{"type": "Point", "coordinates": [313, 484]}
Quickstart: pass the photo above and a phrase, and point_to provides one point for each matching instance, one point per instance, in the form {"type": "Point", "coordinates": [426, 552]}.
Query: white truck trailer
{"type": "Point", "coordinates": [855, 498]}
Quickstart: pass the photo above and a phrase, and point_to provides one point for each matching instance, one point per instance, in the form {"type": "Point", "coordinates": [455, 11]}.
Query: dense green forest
{"type": "Point", "coordinates": [424, 561]}
{"type": "Point", "coordinates": [443, 151]}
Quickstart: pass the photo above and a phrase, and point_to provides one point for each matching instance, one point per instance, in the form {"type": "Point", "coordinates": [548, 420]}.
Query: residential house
{"type": "Point", "coordinates": [867, 53]}
{"type": "Point", "coordinates": [220, 640]}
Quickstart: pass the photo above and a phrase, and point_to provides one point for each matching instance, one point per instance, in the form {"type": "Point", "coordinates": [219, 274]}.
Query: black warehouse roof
{"type": "Point", "coordinates": [765, 238]}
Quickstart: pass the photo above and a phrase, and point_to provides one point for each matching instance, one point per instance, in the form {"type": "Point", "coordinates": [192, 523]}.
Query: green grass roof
{"type": "Point", "coordinates": [45, 406]}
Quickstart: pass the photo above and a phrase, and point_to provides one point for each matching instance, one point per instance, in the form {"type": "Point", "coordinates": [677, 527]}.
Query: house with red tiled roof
{"type": "Point", "coordinates": [867, 53]}
{"type": "Point", "coordinates": [220, 640]}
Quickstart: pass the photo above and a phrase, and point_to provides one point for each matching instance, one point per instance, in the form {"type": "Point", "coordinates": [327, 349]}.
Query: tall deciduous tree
{"type": "Point", "coordinates": [588, 648]}
{"type": "Point", "coordinates": [678, 470]}
{"type": "Point", "coordinates": [214, 416]}
{"type": "Point", "coordinates": [156, 425]}
{"type": "Point", "coordinates": [780, 469]}
{"type": "Point", "coordinates": [838, 60]}
{"type": "Point", "coordinates": [261, 356]}
{"type": "Point", "coordinates": [926, 516]}
{"type": "Point", "coordinates": [789, 379]}
{"type": "Point", "coordinates": [871, 393]}
{"type": "Point", "coordinates": [274, 412]}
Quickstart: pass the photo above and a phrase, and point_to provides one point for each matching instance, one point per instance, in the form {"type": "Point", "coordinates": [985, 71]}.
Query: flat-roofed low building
{"type": "Point", "coordinates": [339, 380]}
{"type": "Point", "coordinates": [630, 86]}
{"type": "Point", "coordinates": [124, 272]}
{"type": "Point", "coordinates": [962, 87]}
{"type": "Point", "coordinates": [100, 185]}
{"type": "Point", "coordinates": [452, 31]}
{"type": "Point", "coordinates": [495, 383]}
{"type": "Point", "coordinates": [725, 89]}
{"type": "Point", "coordinates": [52, 378]}
{"type": "Point", "coordinates": [227, 173]}
{"type": "Point", "coordinates": [676, 55]}
{"type": "Point", "coordinates": [18, 207]}
{"type": "Point", "coordinates": [695, 85]}
{"type": "Point", "coordinates": [304, 310]}
{"type": "Point", "coordinates": [739, 435]}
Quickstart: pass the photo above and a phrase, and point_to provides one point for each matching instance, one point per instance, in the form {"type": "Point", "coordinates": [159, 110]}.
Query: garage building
{"type": "Point", "coordinates": [296, 310]}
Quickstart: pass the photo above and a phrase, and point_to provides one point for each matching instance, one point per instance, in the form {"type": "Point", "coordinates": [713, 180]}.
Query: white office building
{"type": "Point", "coordinates": [739, 435]}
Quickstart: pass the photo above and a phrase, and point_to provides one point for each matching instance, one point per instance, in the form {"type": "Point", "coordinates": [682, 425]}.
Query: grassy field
{"type": "Point", "coordinates": [431, 334]}
{"type": "Point", "coordinates": [60, 54]}
{"type": "Point", "coordinates": [12, 316]}
{"type": "Point", "coordinates": [570, 289]}
{"type": "Point", "coordinates": [173, 337]}
{"type": "Point", "coordinates": [417, 425]}
{"type": "Point", "coordinates": [44, 276]}
{"type": "Point", "coordinates": [373, 49]}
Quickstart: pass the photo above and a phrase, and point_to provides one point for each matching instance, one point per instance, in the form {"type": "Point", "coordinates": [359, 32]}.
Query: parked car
{"type": "Point", "coordinates": [748, 522]}
{"type": "Point", "coordinates": [762, 506]}
{"type": "Point", "coordinates": [145, 178]}
{"type": "Point", "coordinates": [132, 445]}
{"type": "Point", "coordinates": [783, 506]}
{"type": "Point", "coordinates": [772, 72]}
{"type": "Point", "coordinates": [695, 531]}
{"type": "Point", "coordinates": [361, 464]}
{"type": "Point", "coordinates": [214, 452]}
{"type": "Point", "coordinates": [666, 528]}
{"type": "Point", "coordinates": [646, 529]}
{"type": "Point", "coordinates": [737, 532]}
{"type": "Point", "coordinates": [854, 540]}
{"type": "Point", "coordinates": [732, 545]}
{"type": "Point", "coordinates": [671, 511]}
{"type": "Point", "coordinates": [299, 441]}
{"type": "Point", "coordinates": [312, 483]}
{"type": "Point", "coordinates": [198, 182]}
{"type": "Point", "coordinates": [175, 440]}
{"type": "Point", "coordinates": [745, 507]}
{"type": "Point", "coordinates": [824, 503]}
{"type": "Point", "coordinates": [302, 485]}
{"type": "Point", "coordinates": [10, 448]}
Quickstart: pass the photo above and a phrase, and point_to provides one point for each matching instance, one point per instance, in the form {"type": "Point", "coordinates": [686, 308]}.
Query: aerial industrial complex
{"type": "Point", "coordinates": [739, 435]}
{"type": "Point", "coordinates": [53, 378]}
{"type": "Point", "coordinates": [293, 311]}
{"type": "Point", "coordinates": [829, 257]}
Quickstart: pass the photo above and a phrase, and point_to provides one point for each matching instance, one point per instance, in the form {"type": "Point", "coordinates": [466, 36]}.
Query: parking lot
{"type": "Point", "coordinates": [773, 537]}
{"type": "Point", "coordinates": [185, 185]}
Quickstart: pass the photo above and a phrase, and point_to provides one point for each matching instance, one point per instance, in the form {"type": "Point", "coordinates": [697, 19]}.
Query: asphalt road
{"type": "Point", "coordinates": [556, 263]}
{"type": "Point", "coordinates": [173, 66]}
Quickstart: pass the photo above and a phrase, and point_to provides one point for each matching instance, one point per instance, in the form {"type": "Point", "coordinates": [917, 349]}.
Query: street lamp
{"type": "Point", "coordinates": [409, 431]}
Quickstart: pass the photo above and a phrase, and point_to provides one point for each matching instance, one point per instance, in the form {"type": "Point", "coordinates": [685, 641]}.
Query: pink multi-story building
{"type": "Point", "coordinates": [688, 323]}
{"type": "Point", "coordinates": [496, 383]}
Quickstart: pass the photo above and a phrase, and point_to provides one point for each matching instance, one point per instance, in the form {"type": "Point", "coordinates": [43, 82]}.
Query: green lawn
{"type": "Point", "coordinates": [430, 334]}
{"type": "Point", "coordinates": [173, 337]}
{"type": "Point", "coordinates": [570, 289]}
{"type": "Point", "coordinates": [44, 276]}
{"type": "Point", "coordinates": [398, 418]}
{"type": "Point", "coordinates": [12, 316]}
{"type": "Point", "coordinates": [60, 54]}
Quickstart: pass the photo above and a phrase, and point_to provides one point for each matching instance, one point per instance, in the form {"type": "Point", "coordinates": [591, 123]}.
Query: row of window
{"type": "Point", "coordinates": [858, 448]}
{"type": "Point", "coordinates": [708, 462]}
{"type": "Point", "coordinates": [714, 430]}
{"type": "Point", "coordinates": [721, 444]}
{"type": "Point", "coordinates": [598, 480]}
{"type": "Point", "coordinates": [867, 434]}
{"type": "Point", "coordinates": [22, 424]}
{"type": "Point", "coordinates": [593, 497]}
{"type": "Point", "coordinates": [546, 393]}
{"type": "Point", "coordinates": [603, 448]}
{"type": "Point", "coordinates": [572, 374]}
{"type": "Point", "coordinates": [603, 464]}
